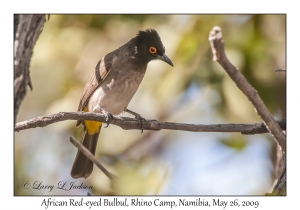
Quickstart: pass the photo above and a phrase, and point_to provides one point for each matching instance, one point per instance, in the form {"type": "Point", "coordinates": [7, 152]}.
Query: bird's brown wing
{"type": "Point", "coordinates": [101, 71]}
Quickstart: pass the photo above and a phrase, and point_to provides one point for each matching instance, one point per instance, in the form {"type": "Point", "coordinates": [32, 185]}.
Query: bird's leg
{"type": "Point", "coordinates": [108, 116]}
{"type": "Point", "coordinates": [137, 116]}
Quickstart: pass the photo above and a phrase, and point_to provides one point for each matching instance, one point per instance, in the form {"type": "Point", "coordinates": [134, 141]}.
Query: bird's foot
{"type": "Point", "coordinates": [108, 115]}
{"type": "Point", "coordinates": [138, 117]}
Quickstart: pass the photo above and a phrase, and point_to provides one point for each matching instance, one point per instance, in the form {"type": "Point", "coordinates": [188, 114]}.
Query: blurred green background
{"type": "Point", "coordinates": [196, 90]}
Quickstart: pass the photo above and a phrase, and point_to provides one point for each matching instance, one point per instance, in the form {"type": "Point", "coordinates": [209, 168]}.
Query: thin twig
{"type": "Point", "coordinates": [131, 123]}
{"type": "Point", "coordinates": [90, 156]}
{"type": "Point", "coordinates": [280, 70]}
{"type": "Point", "coordinates": [217, 45]}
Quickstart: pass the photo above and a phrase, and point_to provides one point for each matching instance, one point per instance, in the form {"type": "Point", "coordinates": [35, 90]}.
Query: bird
{"type": "Point", "coordinates": [111, 86]}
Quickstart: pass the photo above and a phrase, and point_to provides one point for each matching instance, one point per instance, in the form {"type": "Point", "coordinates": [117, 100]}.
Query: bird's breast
{"type": "Point", "coordinates": [116, 91]}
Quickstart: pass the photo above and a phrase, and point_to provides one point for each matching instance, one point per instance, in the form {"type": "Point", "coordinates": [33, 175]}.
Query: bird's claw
{"type": "Point", "coordinates": [140, 119]}
{"type": "Point", "coordinates": [108, 117]}
{"type": "Point", "coordinates": [137, 117]}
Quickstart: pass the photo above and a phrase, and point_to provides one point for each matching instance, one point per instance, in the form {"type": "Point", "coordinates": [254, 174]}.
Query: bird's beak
{"type": "Point", "coordinates": [165, 59]}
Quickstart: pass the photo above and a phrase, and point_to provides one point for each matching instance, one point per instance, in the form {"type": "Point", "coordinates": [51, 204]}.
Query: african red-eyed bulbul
{"type": "Point", "coordinates": [112, 85]}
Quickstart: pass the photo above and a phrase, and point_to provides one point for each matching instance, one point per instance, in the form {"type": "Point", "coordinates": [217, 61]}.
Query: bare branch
{"type": "Point", "coordinates": [261, 128]}
{"type": "Point", "coordinates": [131, 123]}
{"type": "Point", "coordinates": [90, 156]}
{"type": "Point", "coordinates": [280, 70]}
{"type": "Point", "coordinates": [280, 187]}
{"type": "Point", "coordinates": [217, 45]}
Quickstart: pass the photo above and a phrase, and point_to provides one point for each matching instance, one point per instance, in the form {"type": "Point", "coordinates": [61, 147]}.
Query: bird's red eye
{"type": "Point", "coordinates": [152, 50]}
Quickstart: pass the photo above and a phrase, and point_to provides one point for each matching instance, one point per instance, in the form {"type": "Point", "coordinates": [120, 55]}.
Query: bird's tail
{"type": "Point", "coordinates": [82, 166]}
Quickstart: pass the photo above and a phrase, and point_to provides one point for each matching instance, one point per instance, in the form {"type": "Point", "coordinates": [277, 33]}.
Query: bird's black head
{"type": "Point", "coordinates": [148, 47]}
